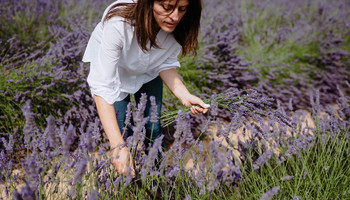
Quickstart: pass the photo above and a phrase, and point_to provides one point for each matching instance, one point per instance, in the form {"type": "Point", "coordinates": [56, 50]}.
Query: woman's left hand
{"type": "Point", "coordinates": [172, 79]}
{"type": "Point", "coordinates": [197, 105]}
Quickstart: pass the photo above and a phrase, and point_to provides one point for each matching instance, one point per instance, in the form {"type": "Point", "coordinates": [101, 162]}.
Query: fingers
{"type": "Point", "coordinates": [122, 161]}
{"type": "Point", "coordinates": [123, 168]}
{"type": "Point", "coordinates": [202, 108]}
{"type": "Point", "coordinates": [198, 106]}
{"type": "Point", "coordinates": [197, 110]}
{"type": "Point", "coordinates": [205, 108]}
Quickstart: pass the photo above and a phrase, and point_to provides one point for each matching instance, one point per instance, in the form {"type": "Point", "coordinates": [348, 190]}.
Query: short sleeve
{"type": "Point", "coordinates": [103, 77]}
{"type": "Point", "coordinates": [172, 61]}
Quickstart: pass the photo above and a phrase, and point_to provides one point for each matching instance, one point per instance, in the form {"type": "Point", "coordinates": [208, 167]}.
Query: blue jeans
{"type": "Point", "coordinates": [152, 88]}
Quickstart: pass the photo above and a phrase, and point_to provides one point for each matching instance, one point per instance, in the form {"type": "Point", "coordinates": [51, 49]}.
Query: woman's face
{"type": "Point", "coordinates": [168, 14]}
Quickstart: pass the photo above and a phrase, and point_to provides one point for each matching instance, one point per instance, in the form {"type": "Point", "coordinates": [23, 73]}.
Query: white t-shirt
{"type": "Point", "coordinates": [118, 66]}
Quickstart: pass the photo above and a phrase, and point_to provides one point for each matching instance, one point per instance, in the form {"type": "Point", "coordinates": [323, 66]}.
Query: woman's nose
{"type": "Point", "coordinates": [174, 15]}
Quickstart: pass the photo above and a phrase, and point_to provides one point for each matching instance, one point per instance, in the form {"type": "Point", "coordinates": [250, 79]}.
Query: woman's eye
{"type": "Point", "coordinates": [183, 9]}
{"type": "Point", "coordinates": [167, 7]}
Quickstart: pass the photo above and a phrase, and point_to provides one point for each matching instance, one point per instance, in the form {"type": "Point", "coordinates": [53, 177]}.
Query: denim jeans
{"type": "Point", "coordinates": [152, 88]}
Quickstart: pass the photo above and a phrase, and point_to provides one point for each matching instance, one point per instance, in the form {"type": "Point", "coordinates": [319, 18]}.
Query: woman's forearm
{"type": "Point", "coordinates": [109, 121]}
{"type": "Point", "coordinates": [175, 84]}
{"type": "Point", "coordinates": [172, 79]}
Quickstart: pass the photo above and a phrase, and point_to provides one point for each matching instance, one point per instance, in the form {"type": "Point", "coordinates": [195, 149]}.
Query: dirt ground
{"type": "Point", "coordinates": [306, 121]}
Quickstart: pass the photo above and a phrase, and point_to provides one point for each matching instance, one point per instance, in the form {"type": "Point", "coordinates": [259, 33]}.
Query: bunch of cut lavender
{"type": "Point", "coordinates": [249, 103]}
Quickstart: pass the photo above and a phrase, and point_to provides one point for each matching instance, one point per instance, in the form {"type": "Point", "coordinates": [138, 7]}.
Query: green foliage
{"type": "Point", "coordinates": [189, 72]}
{"type": "Point", "coordinates": [319, 172]}
{"type": "Point", "coordinates": [29, 83]}
{"type": "Point", "coordinates": [273, 41]}
{"type": "Point", "coordinates": [13, 116]}
{"type": "Point", "coordinates": [191, 78]}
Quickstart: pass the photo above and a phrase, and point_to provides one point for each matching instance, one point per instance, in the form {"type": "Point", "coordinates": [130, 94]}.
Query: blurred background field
{"type": "Point", "coordinates": [283, 57]}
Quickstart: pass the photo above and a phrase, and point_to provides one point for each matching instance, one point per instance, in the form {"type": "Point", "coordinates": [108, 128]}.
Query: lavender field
{"type": "Point", "coordinates": [275, 72]}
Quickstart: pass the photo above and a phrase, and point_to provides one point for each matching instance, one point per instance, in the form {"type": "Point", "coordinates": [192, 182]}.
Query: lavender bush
{"type": "Point", "coordinates": [40, 62]}
{"type": "Point", "coordinates": [281, 48]}
{"type": "Point", "coordinates": [316, 159]}
{"type": "Point", "coordinates": [268, 149]}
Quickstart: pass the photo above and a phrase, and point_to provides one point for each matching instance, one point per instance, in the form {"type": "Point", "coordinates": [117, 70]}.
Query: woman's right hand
{"type": "Point", "coordinates": [121, 159]}
{"type": "Point", "coordinates": [120, 156]}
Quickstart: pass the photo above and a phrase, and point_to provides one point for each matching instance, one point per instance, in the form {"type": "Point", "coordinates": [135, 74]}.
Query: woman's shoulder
{"type": "Point", "coordinates": [116, 20]}
{"type": "Point", "coordinates": [114, 3]}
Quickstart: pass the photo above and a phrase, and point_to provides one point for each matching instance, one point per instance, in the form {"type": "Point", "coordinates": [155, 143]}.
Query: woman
{"type": "Point", "coordinates": [133, 50]}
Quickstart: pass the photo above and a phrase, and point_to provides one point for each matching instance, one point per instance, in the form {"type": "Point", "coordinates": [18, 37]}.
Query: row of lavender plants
{"type": "Point", "coordinates": [41, 47]}
{"type": "Point", "coordinates": [281, 48]}
{"type": "Point", "coordinates": [52, 145]}
{"type": "Point", "coordinates": [276, 156]}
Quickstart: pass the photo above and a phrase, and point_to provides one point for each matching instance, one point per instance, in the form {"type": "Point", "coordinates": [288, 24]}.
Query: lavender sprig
{"type": "Point", "coordinates": [233, 101]}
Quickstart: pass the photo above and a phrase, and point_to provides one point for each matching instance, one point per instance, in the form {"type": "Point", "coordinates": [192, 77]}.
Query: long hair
{"type": "Point", "coordinates": [140, 15]}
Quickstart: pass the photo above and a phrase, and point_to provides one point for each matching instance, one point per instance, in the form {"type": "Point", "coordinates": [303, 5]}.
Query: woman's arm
{"type": "Point", "coordinates": [109, 121]}
{"type": "Point", "coordinates": [172, 79]}
{"type": "Point", "coordinates": [121, 157]}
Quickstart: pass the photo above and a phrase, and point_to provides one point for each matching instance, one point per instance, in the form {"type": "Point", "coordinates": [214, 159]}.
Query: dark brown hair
{"type": "Point", "coordinates": [140, 15]}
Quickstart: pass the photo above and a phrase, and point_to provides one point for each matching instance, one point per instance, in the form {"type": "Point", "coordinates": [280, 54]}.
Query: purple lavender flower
{"type": "Point", "coordinates": [187, 198]}
{"type": "Point", "coordinates": [304, 175]}
{"type": "Point", "coordinates": [139, 132]}
{"type": "Point", "coordinates": [68, 138]}
{"type": "Point", "coordinates": [220, 132]}
{"type": "Point", "coordinates": [8, 145]}
{"type": "Point", "coordinates": [265, 157]}
{"type": "Point", "coordinates": [93, 195]}
{"type": "Point", "coordinates": [31, 167]}
{"type": "Point", "coordinates": [26, 192]}
{"type": "Point", "coordinates": [50, 131]}
{"type": "Point", "coordinates": [232, 172]}
{"type": "Point", "coordinates": [129, 177]}
{"type": "Point", "coordinates": [87, 139]}
{"type": "Point", "coordinates": [117, 181]}
{"type": "Point", "coordinates": [269, 194]}
{"type": "Point", "coordinates": [127, 118]}
{"type": "Point", "coordinates": [153, 152]}
{"type": "Point", "coordinates": [140, 108]}
{"type": "Point", "coordinates": [173, 172]}
{"type": "Point", "coordinates": [30, 128]}
{"type": "Point", "coordinates": [72, 192]}
{"type": "Point", "coordinates": [80, 170]}
{"type": "Point", "coordinates": [287, 178]}
{"type": "Point", "coordinates": [213, 184]}
{"type": "Point", "coordinates": [154, 116]}
{"type": "Point", "coordinates": [220, 162]}
{"type": "Point", "coordinates": [214, 105]}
